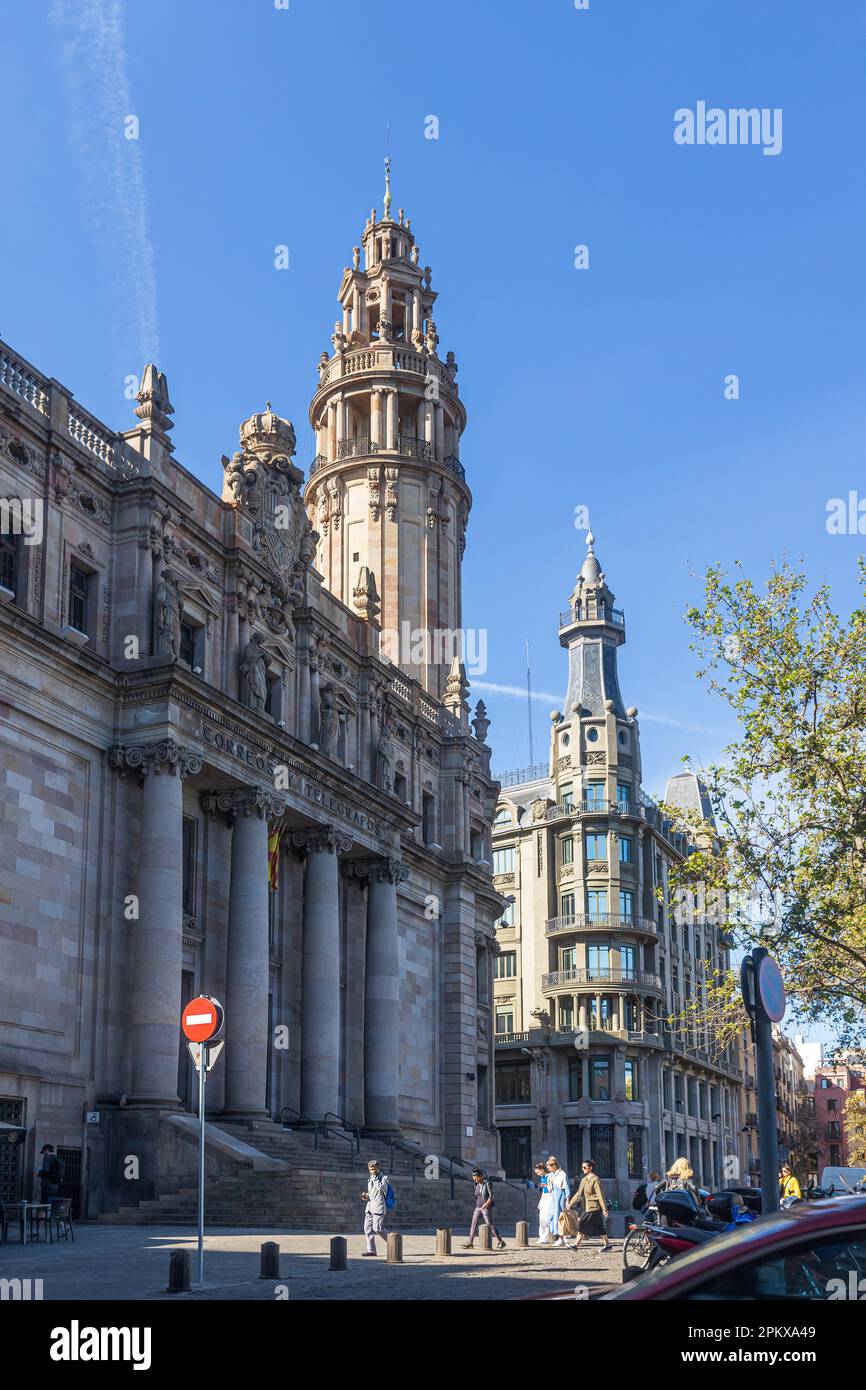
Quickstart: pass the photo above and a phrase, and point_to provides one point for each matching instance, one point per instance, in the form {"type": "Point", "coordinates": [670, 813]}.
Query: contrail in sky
{"type": "Point", "coordinates": [94, 69]}
{"type": "Point", "coordinates": [518, 692]}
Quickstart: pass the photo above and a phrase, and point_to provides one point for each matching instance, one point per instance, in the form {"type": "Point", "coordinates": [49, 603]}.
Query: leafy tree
{"type": "Point", "coordinates": [789, 840]}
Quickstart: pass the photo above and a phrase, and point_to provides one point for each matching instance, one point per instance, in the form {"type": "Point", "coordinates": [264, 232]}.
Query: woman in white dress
{"type": "Point", "coordinates": [543, 1186]}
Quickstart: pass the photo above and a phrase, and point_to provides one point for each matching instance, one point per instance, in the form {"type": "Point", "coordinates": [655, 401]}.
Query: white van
{"type": "Point", "coordinates": [843, 1179]}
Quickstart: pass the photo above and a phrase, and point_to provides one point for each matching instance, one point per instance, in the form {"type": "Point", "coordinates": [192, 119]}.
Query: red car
{"type": "Point", "coordinates": [815, 1250]}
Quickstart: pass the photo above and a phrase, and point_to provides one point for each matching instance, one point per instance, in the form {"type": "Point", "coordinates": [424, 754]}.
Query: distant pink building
{"type": "Point", "coordinates": [834, 1082]}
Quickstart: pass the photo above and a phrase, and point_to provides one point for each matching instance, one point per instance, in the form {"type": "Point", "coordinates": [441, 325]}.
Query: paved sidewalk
{"type": "Point", "coordinates": [131, 1262]}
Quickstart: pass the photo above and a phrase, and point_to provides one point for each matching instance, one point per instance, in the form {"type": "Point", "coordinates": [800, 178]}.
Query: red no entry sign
{"type": "Point", "coordinates": [202, 1019]}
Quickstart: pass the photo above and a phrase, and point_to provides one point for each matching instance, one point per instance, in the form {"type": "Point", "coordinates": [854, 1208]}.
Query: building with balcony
{"type": "Point", "coordinates": [835, 1080]}
{"type": "Point", "coordinates": [591, 961]}
{"type": "Point", "coordinates": [212, 779]}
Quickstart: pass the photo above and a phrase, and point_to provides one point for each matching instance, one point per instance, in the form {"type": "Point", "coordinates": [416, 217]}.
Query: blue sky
{"type": "Point", "coordinates": [603, 387]}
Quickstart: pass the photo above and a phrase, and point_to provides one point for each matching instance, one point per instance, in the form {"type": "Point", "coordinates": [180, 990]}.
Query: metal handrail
{"type": "Point", "coordinates": [345, 1124]}
{"type": "Point", "coordinates": [304, 1119]}
{"type": "Point", "coordinates": [506, 1182]}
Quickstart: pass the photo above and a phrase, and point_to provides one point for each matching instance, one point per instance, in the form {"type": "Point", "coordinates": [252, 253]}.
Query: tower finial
{"type": "Point", "coordinates": [386, 215]}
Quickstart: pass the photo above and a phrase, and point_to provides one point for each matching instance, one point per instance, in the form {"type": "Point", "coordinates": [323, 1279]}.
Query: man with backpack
{"type": "Point", "coordinates": [51, 1174]}
{"type": "Point", "coordinates": [483, 1209]}
{"type": "Point", "coordinates": [380, 1199]}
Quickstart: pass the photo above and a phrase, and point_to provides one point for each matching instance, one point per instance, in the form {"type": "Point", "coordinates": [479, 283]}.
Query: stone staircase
{"type": "Point", "coordinates": [317, 1190]}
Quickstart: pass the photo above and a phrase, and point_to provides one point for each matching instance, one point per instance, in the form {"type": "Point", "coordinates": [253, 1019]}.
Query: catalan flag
{"type": "Point", "coordinates": [274, 836]}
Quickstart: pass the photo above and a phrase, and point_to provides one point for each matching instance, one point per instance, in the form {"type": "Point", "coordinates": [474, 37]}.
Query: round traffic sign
{"type": "Point", "coordinates": [202, 1019]}
{"type": "Point", "coordinates": [771, 989]}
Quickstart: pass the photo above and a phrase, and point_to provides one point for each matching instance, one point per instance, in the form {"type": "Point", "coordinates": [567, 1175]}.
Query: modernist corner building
{"type": "Point", "coordinates": [213, 781]}
{"type": "Point", "coordinates": [592, 962]}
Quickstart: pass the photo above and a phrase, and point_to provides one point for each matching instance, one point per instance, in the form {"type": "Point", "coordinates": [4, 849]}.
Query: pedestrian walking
{"type": "Point", "coordinates": [679, 1178]}
{"type": "Point", "coordinates": [789, 1186]}
{"type": "Point", "coordinates": [377, 1197]}
{"type": "Point", "coordinates": [558, 1181]}
{"type": "Point", "coordinates": [593, 1219]}
{"type": "Point", "coordinates": [50, 1174]}
{"type": "Point", "coordinates": [542, 1185]}
{"type": "Point", "coordinates": [483, 1209]}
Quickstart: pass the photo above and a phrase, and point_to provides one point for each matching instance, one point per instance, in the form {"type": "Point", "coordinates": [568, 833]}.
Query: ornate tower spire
{"type": "Point", "coordinates": [387, 491]}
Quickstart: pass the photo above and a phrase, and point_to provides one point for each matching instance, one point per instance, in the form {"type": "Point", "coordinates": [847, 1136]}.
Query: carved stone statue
{"type": "Point", "coordinates": [329, 722]}
{"type": "Point", "coordinates": [166, 617]}
{"type": "Point", "coordinates": [253, 672]}
{"type": "Point", "coordinates": [385, 760]}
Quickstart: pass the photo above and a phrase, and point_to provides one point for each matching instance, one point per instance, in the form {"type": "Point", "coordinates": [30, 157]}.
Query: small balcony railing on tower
{"type": "Point", "coordinates": [357, 447]}
{"type": "Point", "coordinates": [599, 921]}
{"type": "Point", "coordinates": [596, 808]}
{"type": "Point", "coordinates": [414, 448]}
{"type": "Point", "coordinates": [592, 613]}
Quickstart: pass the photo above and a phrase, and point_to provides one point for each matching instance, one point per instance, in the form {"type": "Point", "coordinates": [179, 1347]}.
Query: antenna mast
{"type": "Point", "coordinates": [529, 703]}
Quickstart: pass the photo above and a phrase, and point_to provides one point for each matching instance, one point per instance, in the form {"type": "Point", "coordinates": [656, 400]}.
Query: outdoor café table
{"type": "Point", "coordinates": [30, 1210]}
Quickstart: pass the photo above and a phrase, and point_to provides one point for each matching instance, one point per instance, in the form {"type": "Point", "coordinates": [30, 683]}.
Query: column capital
{"type": "Point", "coordinates": [384, 870]}
{"type": "Point", "coordinates": [163, 756]}
{"type": "Point", "coordinates": [243, 801]}
{"type": "Point", "coordinates": [321, 838]}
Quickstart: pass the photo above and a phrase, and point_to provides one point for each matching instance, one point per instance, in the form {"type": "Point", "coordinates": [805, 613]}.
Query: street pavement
{"type": "Point", "coordinates": [131, 1262]}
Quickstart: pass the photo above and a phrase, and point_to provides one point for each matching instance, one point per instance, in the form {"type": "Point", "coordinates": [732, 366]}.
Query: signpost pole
{"type": "Point", "coordinates": [202, 1071]}
{"type": "Point", "coordinates": [764, 996]}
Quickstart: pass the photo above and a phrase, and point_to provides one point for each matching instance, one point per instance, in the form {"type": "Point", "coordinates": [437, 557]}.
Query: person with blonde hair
{"type": "Point", "coordinates": [558, 1196]}
{"type": "Point", "coordinates": [679, 1179]}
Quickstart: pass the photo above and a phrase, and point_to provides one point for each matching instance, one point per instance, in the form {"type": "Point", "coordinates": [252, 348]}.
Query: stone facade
{"type": "Point", "coordinates": [187, 706]}
{"type": "Point", "coordinates": [591, 962]}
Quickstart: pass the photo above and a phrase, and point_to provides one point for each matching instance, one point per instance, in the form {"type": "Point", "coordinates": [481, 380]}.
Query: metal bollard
{"type": "Point", "coordinates": [521, 1233]}
{"type": "Point", "coordinates": [270, 1260]}
{"type": "Point", "coordinates": [178, 1272]}
{"type": "Point", "coordinates": [338, 1253]}
{"type": "Point", "coordinates": [485, 1237]}
{"type": "Point", "coordinates": [395, 1248]}
{"type": "Point", "coordinates": [443, 1241]}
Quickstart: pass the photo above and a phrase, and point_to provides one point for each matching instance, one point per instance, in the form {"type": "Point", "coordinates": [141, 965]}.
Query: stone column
{"type": "Point", "coordinates": [320, 1018]}
{"type": "Point", "coordinates": [364, 768]}
{"type": "Point", "coordinates": [154, 1020]}
{"type": "Point", "coordinates": [313, 704]}
{"type": "Point", "coordinates": [376, 432]}
{"type": "Point", "coordinates": [382, 998]}
{"type": "Point", "coordinates": [247, 957]}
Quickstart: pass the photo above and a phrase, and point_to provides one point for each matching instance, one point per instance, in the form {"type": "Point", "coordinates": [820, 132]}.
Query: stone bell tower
{"type": "Point", "coordinates": [386, 492]}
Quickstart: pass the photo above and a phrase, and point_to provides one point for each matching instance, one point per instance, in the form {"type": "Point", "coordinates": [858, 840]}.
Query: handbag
{"type": "Point", "coordinates": [568, 1225]}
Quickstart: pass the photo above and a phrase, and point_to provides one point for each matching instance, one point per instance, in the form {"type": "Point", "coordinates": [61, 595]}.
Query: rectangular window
{"type": "Point", "coordinates": [634, 1150]}
{"type": "Point", "coordinates": [631, 1079]}
{"type": "Point", "coordinates": [601, 1149]}
{"type": "Point", "coordinates": [594, 793]}
{"type": "Point", "coordinates": [566, 1015]}
{"type": "Point", "coordinates": [188, 637]}
{"type": "Point", "coordinates": [832, 1104]}
{"type": "Point", "coordinates": [626, 904]}
{"type": "Point", "coordinates": [691, 1101]}
{"type": "Point", "coordinates": [567, 957]}
{"type": "Point", "coordinates": [513, 1084]}
{"type": "Point", "coordinates": [599, 1079]}
{"type": "Point", "coordinates": [598, 960]}
{"type": "Point", "coordinates": [596, 904]}
{"type": "Point", "coordinates": [623, 793]}
{"type": "Point", "coordinates": [9, 562]}
{"type": "Point", "coordinates": [678, 1090]}
{"type": "Point", "coordinates": [505, 1019]}
{"type": "Point", "coordinates": [79, 586]}
{"type": "Point", "coordinates": [566, 905]}
{"type": "Point", "coordinates": [428, 815]}
{"type": "Point", "coordinates": [188, 852]}
{"type": "Point", "coordinates": [567, 850]}
{"type": "Point", "coordinates": [626, 849]}
{"type": "Point", "coordinates": [503, 860]}
{"type": "Point", "coordinates": [596, 846]}
{"type": "Point", "coordinates": [505, 965]}
{"type": "Point", "coordinates": [666, 1089]}
{"type": "Point", "coordinates": [596, 1022]}
{"type": "Point", "coordinates": [631, 1018]}
{"type": "Point", "coordinates": [575, 1078]}
{"type": "Point", "coordinates": [566, 798]}
{"type": "Point", "coordinates": [627, 956]}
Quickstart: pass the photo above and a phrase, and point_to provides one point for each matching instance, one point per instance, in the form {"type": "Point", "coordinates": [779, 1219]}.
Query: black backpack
{"type": "Point", "coordinates": [57, 1170]}
{"type": "Point", "coordinates": [638, 1201]}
